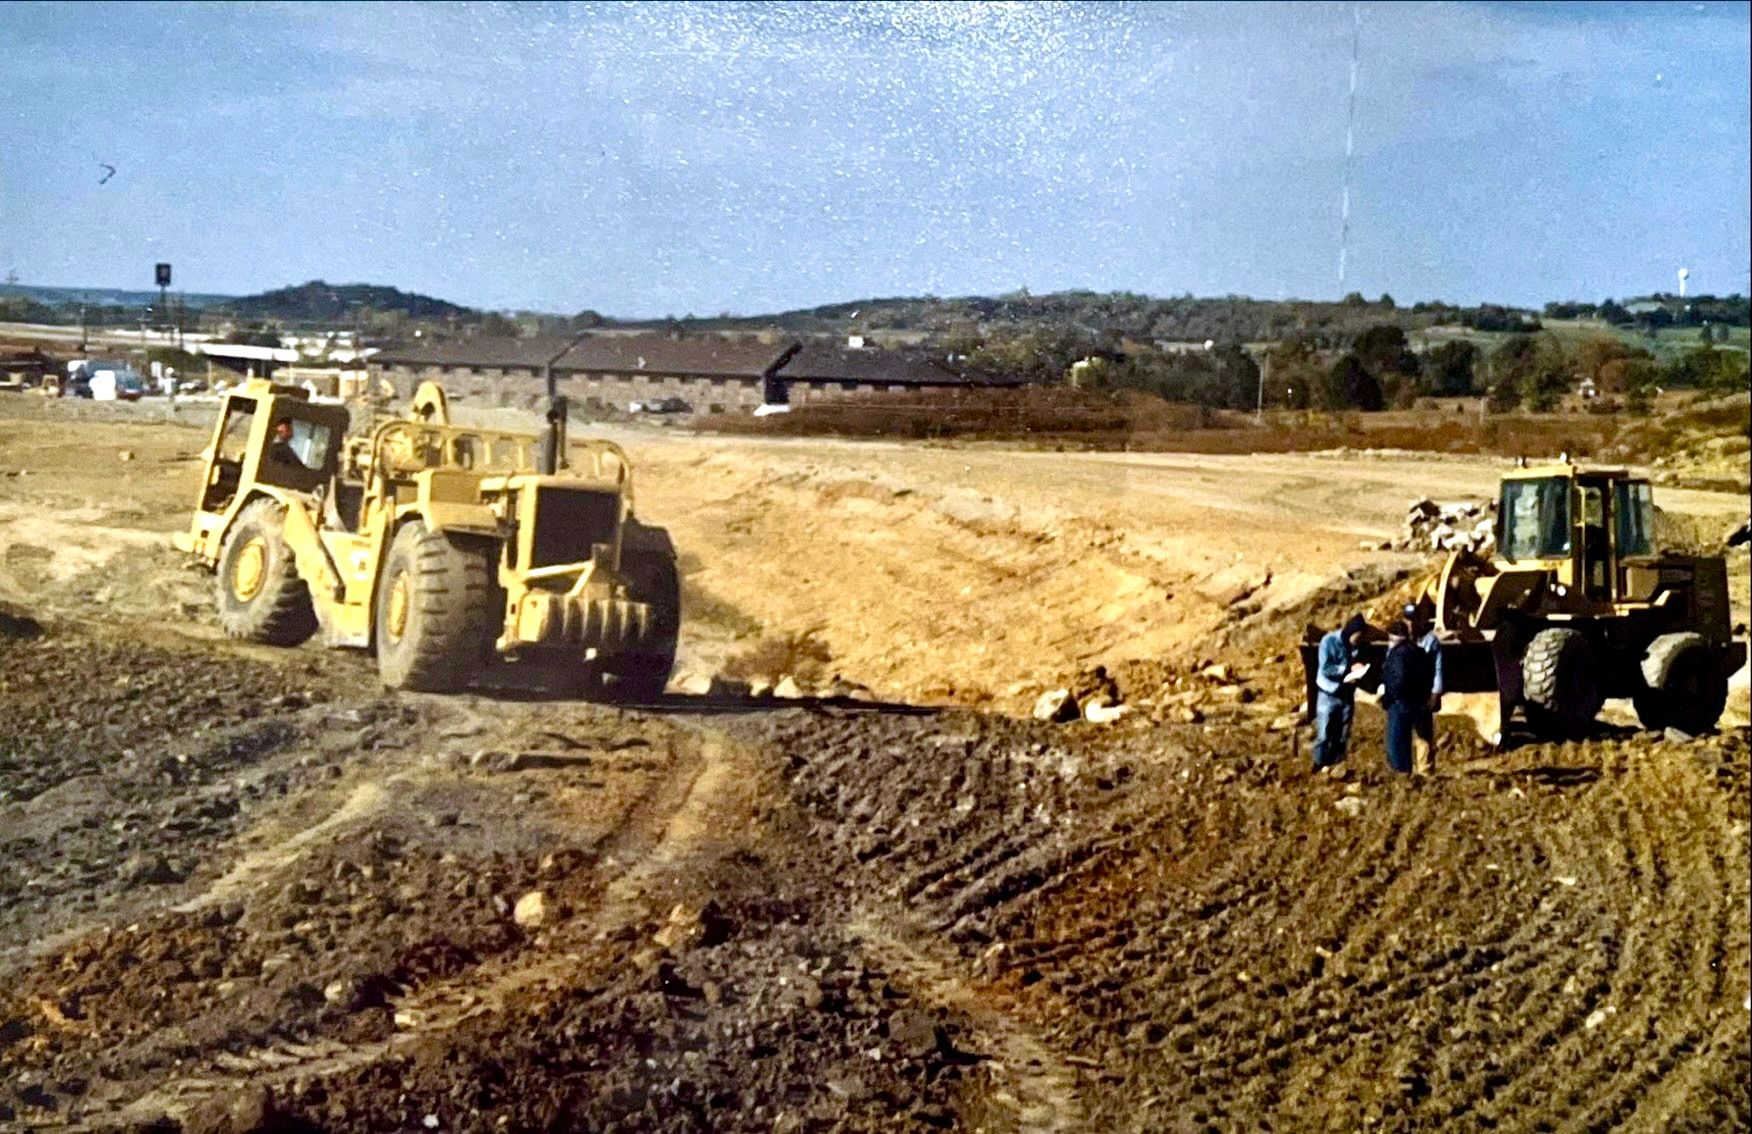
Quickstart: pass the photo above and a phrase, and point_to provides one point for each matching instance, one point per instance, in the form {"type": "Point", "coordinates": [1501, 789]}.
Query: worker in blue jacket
{"type": "Point", "coordinates": [1336, 679]}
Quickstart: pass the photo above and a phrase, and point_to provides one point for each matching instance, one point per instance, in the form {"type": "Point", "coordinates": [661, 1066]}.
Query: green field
{"type": "Point", "coordinates": [1664, 344]}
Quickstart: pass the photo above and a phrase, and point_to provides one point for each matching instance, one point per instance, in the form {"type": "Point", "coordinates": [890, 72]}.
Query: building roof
{"type": "Point", "coordinates": [705, 355]}
{"type": "Point", "coordinates": [710, 355]}
{"type": "Point", "coordinates": [831, 362]}
{"type": "Point", "coordinates": [713, 355]}
{"type": "Point", "coordinates": [22, 358]}
{"type": "Point", "coordinates": [242, 350]}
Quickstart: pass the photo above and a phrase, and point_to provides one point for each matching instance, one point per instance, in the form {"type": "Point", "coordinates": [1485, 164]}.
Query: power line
{"type": "Point", "coordinates": [1350, 143]}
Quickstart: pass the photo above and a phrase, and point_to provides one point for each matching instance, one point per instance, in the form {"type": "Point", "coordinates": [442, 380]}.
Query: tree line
{"type": "Point", "coordinates": [1659, 310]}
{"type": "Point", "coordinates": [1188, 318]}
{"type": "Point", "coordinates": [1530, 370]}
{"type": "Point", "coordinates": [1373, 370]}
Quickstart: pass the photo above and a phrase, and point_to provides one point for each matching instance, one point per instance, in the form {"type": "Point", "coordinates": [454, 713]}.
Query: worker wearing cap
{"type": "Point", "coordinates": [1336, 681]}
{"type": "Point", "coordinates": [1423, 725]}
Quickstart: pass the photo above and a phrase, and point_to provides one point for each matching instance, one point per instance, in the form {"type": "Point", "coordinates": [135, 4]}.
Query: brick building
{"type": "Point", "coordinates": [826, 370]}
{"type": "Point", "coordinates": [712, 373]}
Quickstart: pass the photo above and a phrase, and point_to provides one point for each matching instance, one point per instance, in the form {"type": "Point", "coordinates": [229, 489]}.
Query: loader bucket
{"type": "Point", "coordinates": [1310, 652]}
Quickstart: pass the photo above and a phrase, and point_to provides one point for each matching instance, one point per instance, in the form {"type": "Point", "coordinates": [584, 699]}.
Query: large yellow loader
{"type": "Point", "coordinates": [1576, 605]}
{"type": "Point", "coordinates": [436, 546]}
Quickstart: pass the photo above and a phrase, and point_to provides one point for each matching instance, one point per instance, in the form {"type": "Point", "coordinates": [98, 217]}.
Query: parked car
{"type": "Point", "coordinates": [112, 381]}
{"type": "Point", "coordinates": [662, 405]}
{"type": "Point", "coordinates": [76, 384]}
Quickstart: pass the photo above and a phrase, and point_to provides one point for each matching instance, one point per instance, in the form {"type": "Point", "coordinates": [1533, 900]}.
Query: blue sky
{"type": "Point", "coordinates": [675, 158]}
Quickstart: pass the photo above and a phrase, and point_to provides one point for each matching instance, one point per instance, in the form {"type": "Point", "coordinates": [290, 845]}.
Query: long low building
{"type": "Point", "coordinates": [711, 373]}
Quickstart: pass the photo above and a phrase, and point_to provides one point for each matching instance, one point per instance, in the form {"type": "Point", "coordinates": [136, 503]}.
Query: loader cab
{"type": "Point", "coordinates": [271, 436]}
{"type": "Point", "coordinates": [1592, 529]}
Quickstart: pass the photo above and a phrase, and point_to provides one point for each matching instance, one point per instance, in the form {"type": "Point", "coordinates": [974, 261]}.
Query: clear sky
{"type": "Point", "coordinates": [678, 157]}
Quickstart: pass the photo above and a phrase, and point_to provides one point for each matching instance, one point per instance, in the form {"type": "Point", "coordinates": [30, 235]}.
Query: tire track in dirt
{"type": "Point", "coordinates": [1031, 1081]}
{"type": "Point", "coordinates": [663, 826]}
{"type": "Point", "coordinates": [1662, 1000]}
{"type": "Point", "coordinates": [365, 800]}
{"type": "Point", "coordinates": [1451, 954]}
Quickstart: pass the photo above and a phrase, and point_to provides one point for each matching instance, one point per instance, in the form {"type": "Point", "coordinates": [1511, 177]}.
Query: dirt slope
{"type": "Point", "coordinates": [979, 576]}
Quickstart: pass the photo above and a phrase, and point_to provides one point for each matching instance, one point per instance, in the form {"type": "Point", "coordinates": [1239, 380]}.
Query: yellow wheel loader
{"type": "Point", "coordinates": [434, 545]}
{"type": "Point", "coordinates": [1577, 605]}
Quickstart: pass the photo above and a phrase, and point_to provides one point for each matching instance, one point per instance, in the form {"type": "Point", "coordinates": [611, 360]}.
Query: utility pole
{"type": "Point", "coordinates": [1264, 370]}
{"type": "Point", "coordinates": [161, 275]}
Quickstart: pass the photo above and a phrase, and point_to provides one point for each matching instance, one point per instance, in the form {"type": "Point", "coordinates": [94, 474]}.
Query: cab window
{"type": "Point", "coordinates": [1535, 517]}
{"type": "Point", "coordinates": [1633, 507]}
{"type": "Point", "coordinates": [310, 443]}
{"type": "Point", "coordinates": [299, 459]}
{"type": "Point", "coordinates": [228, 453]}
{"type": "Point", "coordinates": [234, 439]}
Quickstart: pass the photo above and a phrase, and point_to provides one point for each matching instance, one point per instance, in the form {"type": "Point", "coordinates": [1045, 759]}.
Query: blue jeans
{"type": "Point", "coordinates": [1332, 726]}
{"type": "Point", "coordinates": [1402, 721]}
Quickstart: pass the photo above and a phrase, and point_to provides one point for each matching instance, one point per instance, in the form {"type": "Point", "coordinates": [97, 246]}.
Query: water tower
{"type": "Point", "coordinates": [1684, 274]}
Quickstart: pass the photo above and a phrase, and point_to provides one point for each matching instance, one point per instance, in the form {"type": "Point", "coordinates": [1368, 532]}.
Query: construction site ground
{"type": "Point", "coordinates": [245, 889]}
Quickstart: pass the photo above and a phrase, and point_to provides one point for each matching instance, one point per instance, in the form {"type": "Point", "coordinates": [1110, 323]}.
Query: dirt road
{"type": "Point", "coordinates": [243, 889]}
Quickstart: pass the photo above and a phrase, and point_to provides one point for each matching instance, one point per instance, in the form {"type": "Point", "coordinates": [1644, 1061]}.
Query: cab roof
{"type": "Point", "coordinates": [1558, 469]}
{"type": "Point", "coordinates": [262, 388]}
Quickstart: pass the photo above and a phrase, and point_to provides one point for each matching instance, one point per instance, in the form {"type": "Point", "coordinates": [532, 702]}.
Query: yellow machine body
{"type": "Point", "coordinates": [560, 538]}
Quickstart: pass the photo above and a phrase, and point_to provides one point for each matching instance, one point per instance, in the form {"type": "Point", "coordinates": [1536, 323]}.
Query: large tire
{"type": "Point", "coordinates": [259, 593]}
{"type": "Point", "coordinates": [1558, 683]}
{"type": "Point", "coordinates": [438, 610]}
{"type": "Point", "coordinates": [1682, 684]}
{"type": "Point", "coordinates": [652, 576]}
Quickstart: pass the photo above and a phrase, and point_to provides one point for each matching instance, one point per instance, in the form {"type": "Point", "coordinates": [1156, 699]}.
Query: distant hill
{"type": "Point", "coordinates": [320, 302]}
{"type": "Point", "coordinates": [1124, 314]}
{"type": "Point", "coordinates": [105, 296]}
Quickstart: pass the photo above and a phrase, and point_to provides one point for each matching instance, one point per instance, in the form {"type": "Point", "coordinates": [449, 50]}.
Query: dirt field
{"type": "Point", "coordinates": [244, 889]}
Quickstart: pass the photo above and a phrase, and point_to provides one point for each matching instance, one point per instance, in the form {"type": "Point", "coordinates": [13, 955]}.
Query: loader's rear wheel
{"type": "Point", "coordinates": [258, 591]}
{"type": "Point", "coordinates": [438, 610]}
{"type": "Point", "coordinates": [1558, 683]}
{"type": "Point", "coordinates": [653, 579]}
{"type": "Point", "coordinates": [1682, 685]}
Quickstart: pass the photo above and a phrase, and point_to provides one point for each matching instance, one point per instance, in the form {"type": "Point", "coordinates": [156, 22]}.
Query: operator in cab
{"type": "Point", "coordinates": [280, 449]}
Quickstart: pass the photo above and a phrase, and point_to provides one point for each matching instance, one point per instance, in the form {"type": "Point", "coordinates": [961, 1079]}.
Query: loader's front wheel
{"type": "Point", "coordinates": [438, 610]}
{"type": "Point", "coordinates": [259, 593]}
{"type": "Point", "coordinates": [1683, 685]}
{"type": "Point", "coordinates": [1558, 683]}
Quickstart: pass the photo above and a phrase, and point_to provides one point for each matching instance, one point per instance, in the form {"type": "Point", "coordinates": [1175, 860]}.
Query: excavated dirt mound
{"type": "Point", "coordinates": [758, 1016]}
{"type": "Point", "coordinates": [125, 761]}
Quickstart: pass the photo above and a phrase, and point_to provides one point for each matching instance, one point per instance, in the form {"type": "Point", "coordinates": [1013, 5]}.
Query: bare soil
{"type": "Point", "coordinates": [246, 890]}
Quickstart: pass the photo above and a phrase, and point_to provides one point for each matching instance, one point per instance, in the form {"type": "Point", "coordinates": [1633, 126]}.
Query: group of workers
{"type": "Point", "coordinates": [1411, 691]}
